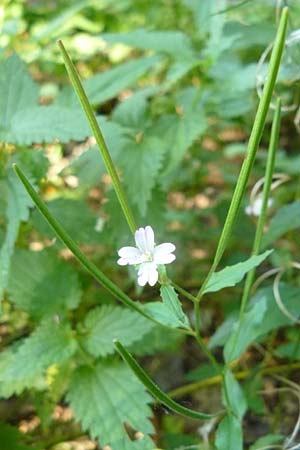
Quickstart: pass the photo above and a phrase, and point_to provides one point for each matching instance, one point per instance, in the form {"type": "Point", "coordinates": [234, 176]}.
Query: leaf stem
{"type": "Point", "coordinates": [253, 143]}
{"type": "Point", "coordinates": [88, 110]}
{"type": "Point", "coordinates": [155, 390]}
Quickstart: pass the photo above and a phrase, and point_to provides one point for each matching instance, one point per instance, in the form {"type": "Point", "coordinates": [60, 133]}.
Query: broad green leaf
{"type": "Point", "coordinates": [229, 434]}
{"type": "Point", "coordinates": [11, 438]}
{"type": "Point", "coordinates": [107, 396]}
{"type": "Point", "coordinates": [236, 397]}
{"type": "Point", "coordinates": [141, 162]}
{"type": "Point", "coordinates": [174, 43]}
{"type": "Point", "coordinates": [78, 219]}
{"type": "Point", "coordinates": [106, 85]}
{"type": "Point", "coordinates": [286, 219]}
{"type": "Point", "coordinates": [17, 210]}
{"type": "Point", "coordinates": [271, 321]}
{"type": "Point", "coordinates": [178, 70]}
{"type": "Point", "coordinates": [49, 344]}
{"type": "Point", "coordinates": [109, 322]}
{"type": "Point", "coordinates": [232, 275]}
{"type": "Point", "coordinates": [171, 301]}
{"type": "Point", "coordinates": [244, 334]}
{"type": "Point", "coordinates": [41, 284]}
{"type": "Point", "coordinates": [158, 339]}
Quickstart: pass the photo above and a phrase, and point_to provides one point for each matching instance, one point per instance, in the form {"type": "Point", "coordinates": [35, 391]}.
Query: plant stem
{"type": "Point", "coordinates": [217, 379]}
{"type": "Point", "coordinates": [87, 108]}
{"type": "Point", "coordinates": [266, 191]}
{"type": "Point", "coordinates": [253, 143]}
{"type": "Point", "coordinates": [183, 291]}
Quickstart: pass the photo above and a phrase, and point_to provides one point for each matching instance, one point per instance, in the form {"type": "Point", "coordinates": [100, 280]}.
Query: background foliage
{"type": "Point", "coordinates": [173, 84]}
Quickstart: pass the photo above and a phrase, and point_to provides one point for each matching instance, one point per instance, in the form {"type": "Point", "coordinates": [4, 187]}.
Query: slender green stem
{"type": "Point", "coordinates": [208, 353]}
{"type": "Point", "coordinates": [71, 244]}
{"type": "Point", "coordinates": [266, 191]}
{"type": "Point", "coordinates": [110, 167]}
{"type": "Point", "coordinates": [157, 393]}
{"type": "Point", "coordinates": [183, 291]}
{"type": "Point", "coordinates": [254, 140]}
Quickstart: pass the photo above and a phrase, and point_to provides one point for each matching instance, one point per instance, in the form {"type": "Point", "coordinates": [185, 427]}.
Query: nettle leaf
{"type": "Point", "coordinates": [17, 210]}
{"type": "Point", "coordinates": [174, 43]}
{"type": "Point", "coordinates": [169, 312]}
{"type": "Point", "coordinates": [237, 400]}
{"type": "Point", "coordinates": [106, 85]}
{"type": "Point", "coordinates": [78, 219]}
{"type": "Point", "coordinates": [41, 284]}
{"type": "Point", "coordinates": [51, 343]}
{"type": "Point", "coordinates": [109, 322]}
{"type": "Point", "coordinates": [286, 219]}
{"type": "Point", "coordinates": [229, 434]}
{"type": "Point", "coordinates": [158, 339]}
{"type": "Point", "coordinates": [141, 163]}
{"type": "Point", "coordinates": [11, 438]}
{"type": "Point", "coordinates": [232, 275]}
{"type": "Point", "coordinates": [107, 398]}
{"type": "Point", "coordinates": [245, 333]}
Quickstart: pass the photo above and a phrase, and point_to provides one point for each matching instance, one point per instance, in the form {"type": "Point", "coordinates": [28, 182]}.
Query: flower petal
{"type": "Point", "coordinates": [149, 238]}
{"type": "Point", "coordinates": [144, 239]}
{"type": "Point", "coordinates": [164, 249]}
{"type": "Point", "coordinates": [122, 262]}
{"type": "Point", "coordinates": [164, 259]}
{"type": "Point", "coordinates": [129, 252]}
{"type": "Point", "coordinates": [147, 274]}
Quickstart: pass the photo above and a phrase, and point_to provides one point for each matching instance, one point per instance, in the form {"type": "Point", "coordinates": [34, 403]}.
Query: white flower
{"type": "Point", "coordinates": [254, 209]}
{"type": "Point", "coordinates": [146, 255]}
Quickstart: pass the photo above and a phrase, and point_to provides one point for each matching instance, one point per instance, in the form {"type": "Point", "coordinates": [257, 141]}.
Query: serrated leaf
{"type": "Point", "coordinates": [109, 322]}
{"type": "Point", "coordinates": [232, 275]}
{"type": "Point", "coordinates": [171, 301]}
{"type": "Point", "coordinates": [78, 219]}
{"type": "Point", "coordinates": [236, 397]}
{"type": "Point", "coordinates": [229, 434]}
{"type": "Point", "coordinates": [50, 343]}
{"type": "Point", "coordinates": [17, 210]}
{"type": "Point", "coordinates": [41, 284]}
{"type": "Point", "coordinates": [141, 163]}
{"type": "Point", "coordinates": [158, 339]}
{"type": "Point", "coordinates": [169, 311]}
{"type": "Point", "coordinates": [286, 219]}
{"type": "Point", "coordinates": [106, 397]}
{"type": "Point", "coordinates": [174, 43]}
{"type": "Point", "coordinates": [107, 85]}
{"type": "Point", "coordinates": [11, 438]}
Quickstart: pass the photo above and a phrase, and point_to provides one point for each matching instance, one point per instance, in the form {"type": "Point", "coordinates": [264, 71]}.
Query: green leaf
{"type": "Point", "coordinates": [141, 162]}
{"type": "Point", "coordinates": [11, 438]}
{"type": "Point", "coordinates": [235, 399]}
{"type": "Point", "coordinates": [51, 343]}
{"type": "Point", "coordinates": [271, 321]}
{"type": "Point", "coordinates": [267, 441]}
{"type": "Point", "coordinates": [229, 434]}
{"type": "Point", "coordinates": [286, 219]}
{"type": "Point", "coordinates": [106, 397]}
{"type": "Point", "coordinates": [106, 85]}
{"type": "Point", "coordinates": [78, 219]}
{"type": "Point", "coordinates": [171, 301]}
{"type": "Point", "coordinates": [17, 210]}
{"type": "Point", "coordinates": [232, 275]}
{"type": "Point", "coordinates": [246, 332]}
{"type": "Point", "coordinates": [169, 311]}
{"type": "Point", "coordinates": [174, 43]}
{"type": "Point", "coordinates": [109, 322]}
{"type": "Point", "coordinates": [41, 284]}
{"type": "Point", "coordinates": [158, 339]}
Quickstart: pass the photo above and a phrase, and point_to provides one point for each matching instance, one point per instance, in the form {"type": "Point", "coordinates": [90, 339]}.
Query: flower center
{"type": "Point", "coordinates": [148, 256]}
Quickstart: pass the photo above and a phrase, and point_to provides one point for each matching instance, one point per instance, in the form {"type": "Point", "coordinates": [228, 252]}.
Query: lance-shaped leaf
{"type": "Point", "coordinates": [232, 275]}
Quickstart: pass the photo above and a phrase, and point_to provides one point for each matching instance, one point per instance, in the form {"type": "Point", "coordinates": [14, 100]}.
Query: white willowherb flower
{"type": "Point", "coordinates": [146, 255]}
{"type": "Point", "coordinates": [254, 209]}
